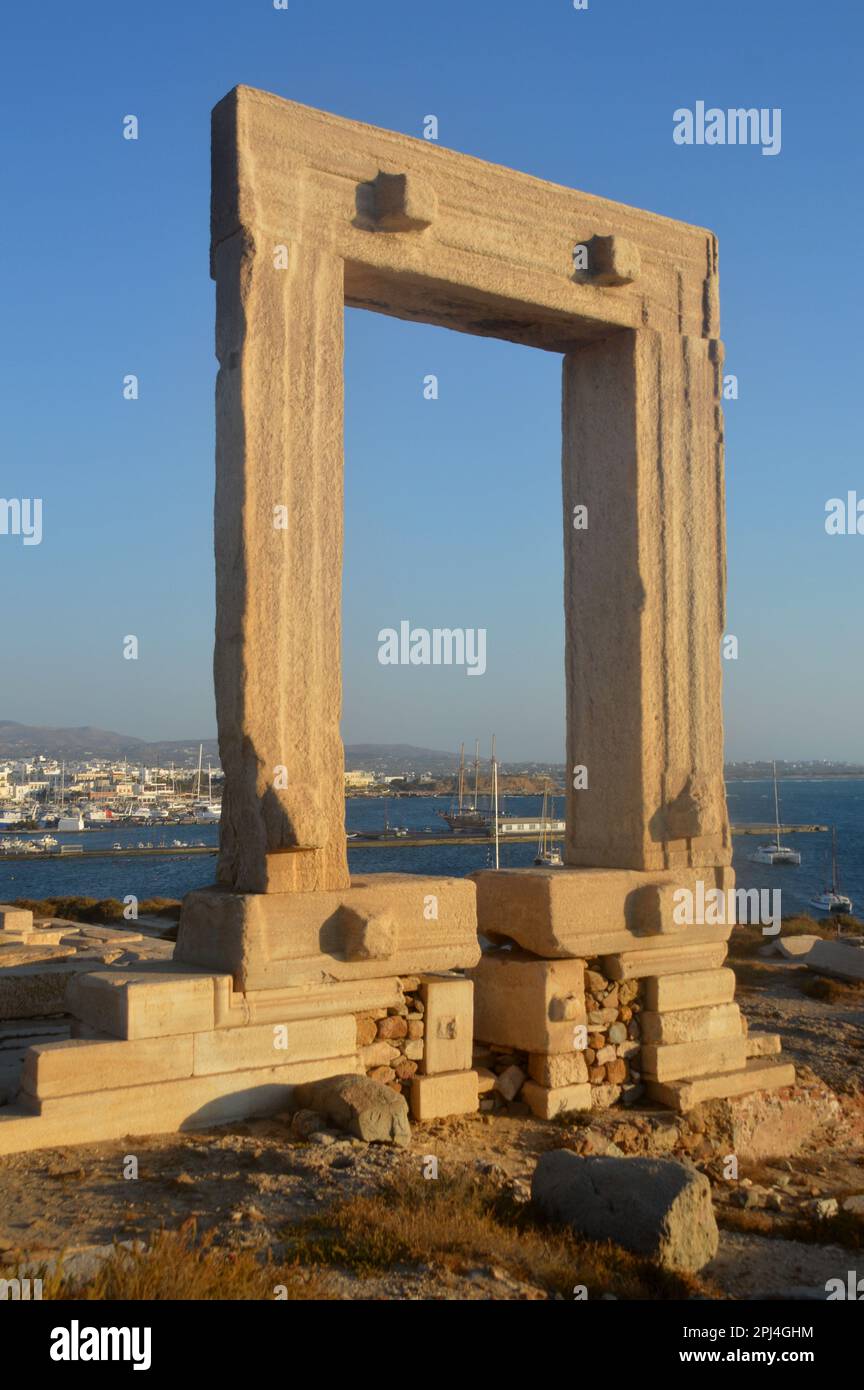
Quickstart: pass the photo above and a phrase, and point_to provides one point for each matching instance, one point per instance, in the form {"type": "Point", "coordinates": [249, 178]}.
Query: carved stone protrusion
{"type": "Point", "coordinates": [402, 202]}
{"type": "Point", "coordinates": [368, 936]}
{"type": "Point", "coordinates": [566, 1007]}
{"type": "Point", "coordinates": [655, 912]}
{"type": "Point", "coordinates": [612, 260]}
{"type": "Point", "coordinates": [688, 815]}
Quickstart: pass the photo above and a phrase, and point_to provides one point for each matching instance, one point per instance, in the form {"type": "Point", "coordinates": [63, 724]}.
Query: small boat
{"type": "Point", "coordinates": [548, 854]}
{"type": "Point", "coordinates": [832, 900]}
{"type": "Point", "coordinates": [775, 853]}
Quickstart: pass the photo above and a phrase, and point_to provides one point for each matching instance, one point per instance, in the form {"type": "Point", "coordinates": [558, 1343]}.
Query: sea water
{"type": "Point", "coordinates": [805, 801]}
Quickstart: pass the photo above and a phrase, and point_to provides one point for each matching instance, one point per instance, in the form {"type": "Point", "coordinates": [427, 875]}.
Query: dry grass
{"type": "Point", "coordinates": [747, 941]}
{"type": "Point", "coordinates": [97, 911]}
{"type": "Point", "coordinates": [833, 991]}
{"type": "Point", "coordinates": [178, 1265]}
{"type": "Point", "coordinates": [461, 1223]}
{"type": "Point", "coordinates": [449, 1226]}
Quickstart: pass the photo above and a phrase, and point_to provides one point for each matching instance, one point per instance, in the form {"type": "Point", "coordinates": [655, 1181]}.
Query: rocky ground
{"type": "Point", "coordinates": [787, 1224]}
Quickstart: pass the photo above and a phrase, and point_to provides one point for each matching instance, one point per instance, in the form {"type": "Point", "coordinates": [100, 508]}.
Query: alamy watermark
{"type": "Point", "coordinates": [845, 517]}
{"type": "Point", "coordinates": [736, 126]}
{"type": "Point", "coordinates": [22, 516]}
{"type": "Point", "coordinates": [442, 646]}
{"type": "Point", "coordinates": [719, 907]}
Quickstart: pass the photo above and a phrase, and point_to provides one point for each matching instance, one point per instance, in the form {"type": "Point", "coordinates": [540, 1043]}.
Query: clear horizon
{"type": "Point", "coordinates": [453, 509]}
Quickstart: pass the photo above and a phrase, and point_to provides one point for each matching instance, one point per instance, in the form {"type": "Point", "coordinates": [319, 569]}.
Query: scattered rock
{"type": "Point", "coordinates": [824, 1207]}
{"type": "Point", "coordinates": [304, 1123]}
{"type": "Point", "coordinates": [510, 1082]}
{"type": "Point", "coordinates": [654, 1207]}
{"type": "Point", "coordinates": [360, 1106]}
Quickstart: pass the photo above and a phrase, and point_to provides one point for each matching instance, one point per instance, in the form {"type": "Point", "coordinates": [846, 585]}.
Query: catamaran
{"type": "Point", "coordinates": [775, 853]}
{"type": "Point", "coordinates": [832, 900]}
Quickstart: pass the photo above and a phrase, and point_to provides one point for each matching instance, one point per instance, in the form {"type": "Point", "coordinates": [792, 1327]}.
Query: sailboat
{"type": "Point", "coordinates": [463, 817]}
{"type": "Point", "coordinates": [548, 854]}
{"type": "Point", "coordinates": [775, 853]}
{"type": "Point", "coordinates": [832, 900]}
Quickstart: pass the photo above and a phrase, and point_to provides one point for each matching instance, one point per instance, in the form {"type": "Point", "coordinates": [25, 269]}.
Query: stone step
{"type": "Point", "coordinates": [446, 1093]}
{"type": "Point", "coordinates": [689, 990]}
{"type": "Point", "coordinates": [755, 1075]}
{"type": "Point", "coordinates": [149, 1001]}
{"type": "Point", "coordinates": [164, 1107]}
{"type": "Point", "coordinates": [546, 1102]}
{"type": "Point", "coordinates": [674, 1061]}
{"type": "Point", "coordinates": [692, 1025]}
{"type": "Point", "coordinates": [671, 958]}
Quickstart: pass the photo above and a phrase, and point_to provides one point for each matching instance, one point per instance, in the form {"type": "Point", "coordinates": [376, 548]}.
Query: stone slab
{"type": "Point", "coordinates": [673, 960]}
{"type": "Point", "coordinates": [32, 950]}
{"type": "Point", "coordinates": [837, 959]}
{"type": "Point", "coordinates": [546, 1102]}
{"type": "Point", "coordinates": [449, 1023]}
{"type": "Point", "coordinates": [671, 1062]}
{"type": "Point", "coordinates": [312, 1001]}
{"type": "Point", "coordinates": [15, 918]}
{"type": "Point", "coordinates": [691, 1025]}
{"type": "Point", "coordinates": [755, 1075]}
{"type": "Point", "coordinates": [561, 913]}
{"type": "Point", "coordinates": [501, 238]}
{"type": "Point", "coordinates": [276, 1044]}
{"type": "Point", "coordinates": [527, 1003]}
{"type": "Point", "coordinates": [381, 926]}
{"type": "Point", "coordinates": [167, 1107]}
{"type": "Point", "coordinates": [30, 990]}
{"type": "Point", "coordinates": [447, 1093]}
{"type": "Point", "coordinates": [146, 1003]}
{"type": "Point", "coordinates": [79, 1067]}
{"type": "Point", "coordinates": [794, 946]}
{"type": "Point", "coordinates": [689, 990]}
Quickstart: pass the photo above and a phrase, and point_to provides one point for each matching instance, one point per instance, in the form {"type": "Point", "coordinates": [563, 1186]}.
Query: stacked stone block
{"type": "Point", "coordinates": [316, 987]}
{"type": "Point", "coordinates": [423, 1045]}
{"type": "Point", "coordinates": [602, 949]}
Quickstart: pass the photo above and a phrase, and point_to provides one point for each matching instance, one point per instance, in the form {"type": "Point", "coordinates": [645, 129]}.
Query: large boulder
{"type": "Point", "coordinates": [652, 1206]}
{"type": "Point", "coordinates": [365, 1108]}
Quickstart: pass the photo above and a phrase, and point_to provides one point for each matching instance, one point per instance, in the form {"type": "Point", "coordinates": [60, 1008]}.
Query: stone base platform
{"type": "Point", "coordinates": [386, 924]}
{"type": "Point", "coordinates": [757, 1074]}
{"type": "Point", "coordinates": [161, 1048]}
{"type": "Point", "coordinates": [656, 1009]}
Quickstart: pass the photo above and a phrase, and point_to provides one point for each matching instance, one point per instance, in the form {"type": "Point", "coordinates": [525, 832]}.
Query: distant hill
{"type": "Point", "coordinates": [393, 758]}
{"type": "Point", "coordinates": [26, 740]}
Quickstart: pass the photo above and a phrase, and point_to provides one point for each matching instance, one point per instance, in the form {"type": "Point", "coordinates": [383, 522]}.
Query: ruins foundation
{"type": "Point", "coordinates": [288, 970]}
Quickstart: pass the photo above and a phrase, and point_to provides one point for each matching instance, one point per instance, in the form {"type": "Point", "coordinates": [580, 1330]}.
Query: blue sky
{"type": "Point", "coordinates": [453, 506]}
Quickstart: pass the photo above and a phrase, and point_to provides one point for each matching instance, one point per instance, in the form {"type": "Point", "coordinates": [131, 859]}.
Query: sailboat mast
{"type": "Point", "coordinates": [776, 804]}
{"type": "Point", "coordinates": [495, 798]}
{"type": "Point", "coordinates": [200, 759]}
{"type": "Point", "coordinates": [461, 775]}
{"type": "Point", "coordinates": [476, 772]}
